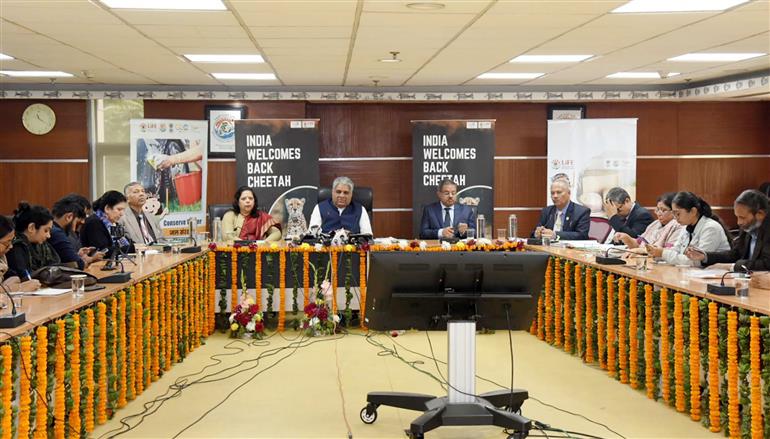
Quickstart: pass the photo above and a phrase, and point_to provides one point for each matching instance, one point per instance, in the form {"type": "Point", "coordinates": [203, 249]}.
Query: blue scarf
{"type": "Point", "coordinates": [123, 242]}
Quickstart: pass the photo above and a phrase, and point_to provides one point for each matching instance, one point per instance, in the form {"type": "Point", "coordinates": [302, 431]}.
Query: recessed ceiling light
{"type": "Point", "coordinates": [4, 56]}
{"type": "Point", "coordinates": [245, 76]}
{"type": "Point", "coordinates": [192, 5]}
{"type": "Point", "coordinates": [715, 57]}
{"type": "Point", "coordinates": [426, 6]}
{"type": "Point", "coordinates": [394, 58]}
{"type": "Point", "coordinates": [242, 59]}
{"type": "Point", "coordinates": [651, 6]}
{"type": "Point", "coordinates": [549, 58]}
{"type": "Point", "coordinates": [509, 75]}
{"type": "Point", "coordinates": [635, 75]}
{"type": "Point", "coordinates": [35, 74]}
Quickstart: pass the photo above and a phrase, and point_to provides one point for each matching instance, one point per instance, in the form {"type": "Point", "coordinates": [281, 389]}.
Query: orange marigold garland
{"type": "Point", "coordinates": [611, 352]}
{"type": "Point", "coordinates": [7, 392]}
{"type": "Point", "coordinates": [567, 307]}
{"type": "Point", "coordinates": [557, 303]}
{"type": "Point", "coordinates": [121, 352]}
{"type": "Point", "coordinates": [678, 353]}
{"type": "Point", "coordinates": [715, 423]}
{"type": "Point", "coordinates": [335, 274]}
{"type": "Point", "coordinates": [101, 408]}
{"type": "Point", "coordinates": [633, 340]}
{"type": "Point", "coordinates": [25, 398]}
{"type": "Point", "coordinates": [306, 278]}
{"type": "Point", "coordinates": [541, 317]}
{"type": "Point", "coordinates": [733, 402]}
{"type": "Point", "coordinates": [282, 291]}
{"type": "Point", "coordinates": [88, 412]}
{"type": "Point", "coordinates": [113, 385]}
{"type": "Point", "coordinates": [74, 416]}
{"type": "Point", "coordinates": [41, 420]}
{"type": "Point", "coordinates": [212, 289]}
{"type": "Point", "coordinates": [665, 366]}
{"type": "Point", "coordinates": [578, 310]}
{"type": "Point", "coordinates": [258, 276]}
{"type": "Point", "coordinates": [156, 330]}
{"type": "Point", "coordinates": [549, 301]}
{"type": "Point", "coordinates": [601, 324]}
{"type": "Point", "coordinates": [694, 360]}
{"type": "Point", "coordinates": [649, 336]}
{"type": "Point", "coordinates": [589, 321]}
{"type": "Point", "coordinates": [756, 390]}
{"type": "Point", "coordinates": [362, 282]}
{"type": "Point", "coordinates": [139, 343]}
{"type": "Point", "coordinates": [622, 332]}
{"type": "Point", "coordinates": [60, 346]}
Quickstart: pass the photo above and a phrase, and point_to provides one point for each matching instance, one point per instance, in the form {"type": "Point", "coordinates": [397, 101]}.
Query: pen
{"type": "Point", "coordinates": [29, 277]}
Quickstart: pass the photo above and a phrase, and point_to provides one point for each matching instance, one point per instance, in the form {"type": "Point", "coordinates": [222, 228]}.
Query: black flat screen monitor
{"type": "Point", "coordinates": [424, 290]}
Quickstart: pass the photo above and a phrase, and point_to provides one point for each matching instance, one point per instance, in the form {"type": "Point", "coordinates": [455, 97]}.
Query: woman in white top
{"type": "Point", "coordinates": [703, 231]}
{"type": "Point", "coordinates": [663, 232]}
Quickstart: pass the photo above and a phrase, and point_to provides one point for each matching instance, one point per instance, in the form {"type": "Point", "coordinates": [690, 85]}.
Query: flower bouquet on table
{"type": "Point", "coordinates": [246, 319]}
{"type": "Point", "coordinates": [318, 318]}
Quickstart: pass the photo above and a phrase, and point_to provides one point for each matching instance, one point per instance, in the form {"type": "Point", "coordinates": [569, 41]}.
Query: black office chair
{"type": "Point", "coordinates": [218, 211]}
{"type": "Point", "coordinates": [361, 194]}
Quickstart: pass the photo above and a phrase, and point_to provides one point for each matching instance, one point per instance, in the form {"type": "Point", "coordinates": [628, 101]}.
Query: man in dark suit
{"type": "Point", "coordinates": [752, 247]}
{"type": "Point", "coordinates": [445, 218]}
{"type": "Point", "coordinates": [625, 215]}
{"type": "Point", "coordinates": [564, 219]}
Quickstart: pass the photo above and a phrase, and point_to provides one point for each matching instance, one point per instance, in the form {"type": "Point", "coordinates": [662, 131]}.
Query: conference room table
{"type": "Point", "coordinates": [88, 356]}
{"type": "Point", "coordinates": [661, 332]}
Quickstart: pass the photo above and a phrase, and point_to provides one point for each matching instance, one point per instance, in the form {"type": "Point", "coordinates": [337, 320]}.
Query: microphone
{"type": "Point", "coordinates": [607, 260]}
{"type": "Point", "coordinates": [16, 318]}
{"type": "Point", "coordinates": [194, 248]}
{"type": "Point", "coordinates": [726, 290]}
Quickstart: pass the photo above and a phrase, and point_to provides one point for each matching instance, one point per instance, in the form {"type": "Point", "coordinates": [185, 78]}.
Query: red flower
{"type": "Point", "coordinates": [310, 309]}
{"type": "Point", "coordinates": [470, 242]}
{"type": "Point", "coordinates": [365, 246]}
{"type": "Point", "coordinates": [414, 244]}
{"type": "Point", "coordinates": [499, 243]}
{"type": "Point", "coordinates": [253, 309]}
{"type": "Point", "coordinates": [252, 245]}
{"type": "Point", "coordinates": [259, 327]}
{"type": "Point", "coordinates": [212, 245]}
{"type": "Point", "coordinates": [237, 245]}
{"type": "Point", "coordinates": [243, 319]}
{"type": "Point", "coordinates": [323, 314]}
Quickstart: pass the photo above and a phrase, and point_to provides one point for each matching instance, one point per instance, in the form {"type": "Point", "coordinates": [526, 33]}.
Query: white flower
{"type": "Point", "coordinates": [232, 317]}
{"type": "Point", "coordinates": [445, 245]}
{"type": "Point", "coordinates": [483, 241]}
{"type": "Point", "coordinates": [423, 245]}
{"type": "Point", "coordinates": [318, 247]}
{"type": "Point", "coordinates": [314, 321]}
{"type": "Point", "coordinates": [251, 326]}
{"type": "Point", "coordinates": [326, 287]}
{"type": "Point", "coordinates": [336, 318]}
{"type": "Point", "coordinates": [402, 244]}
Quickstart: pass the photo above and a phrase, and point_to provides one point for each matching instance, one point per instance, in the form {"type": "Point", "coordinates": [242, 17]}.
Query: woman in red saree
{"type": "Point", "coordinates": [247, 222]}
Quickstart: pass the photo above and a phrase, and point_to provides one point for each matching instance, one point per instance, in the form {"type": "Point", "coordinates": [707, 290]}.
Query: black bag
{"type": "Point", "coordinates": [57, 276]}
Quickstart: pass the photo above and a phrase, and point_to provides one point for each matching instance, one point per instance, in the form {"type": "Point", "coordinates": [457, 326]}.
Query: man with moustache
{"type": "Point", "coordinates": [752, 247]}
{"type": "Point", "coordinates": [340, 211]}
{"type": "Point", "coordinates": [140, 227]}
{"type": "Point", "coordinates": [564, 219]}
{"type": "Point", "coordinates": [446, 219]}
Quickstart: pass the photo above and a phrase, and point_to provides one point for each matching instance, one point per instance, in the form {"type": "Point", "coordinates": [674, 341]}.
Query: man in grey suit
{"type": "Point", "coordinates": [141, 227]}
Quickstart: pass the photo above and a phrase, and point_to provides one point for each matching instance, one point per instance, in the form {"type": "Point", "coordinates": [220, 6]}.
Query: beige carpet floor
{"type": "Point", "coordinates": [316, 389]}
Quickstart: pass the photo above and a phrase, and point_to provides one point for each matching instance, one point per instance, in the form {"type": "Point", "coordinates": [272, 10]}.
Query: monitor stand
{"type": "Point", "coordinates": [460, 406]}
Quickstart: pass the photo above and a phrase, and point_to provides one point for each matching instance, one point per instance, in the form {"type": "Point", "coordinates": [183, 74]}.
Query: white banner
{"type": "Point", "coordinates": [168, 158]}
{"type": "Point", "coordinates": [595, 155]}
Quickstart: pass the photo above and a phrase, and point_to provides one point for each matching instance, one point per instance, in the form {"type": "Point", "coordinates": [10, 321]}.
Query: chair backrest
{"type": "Point", "coordinates": [218, 211]}
{"type": "Point", "coordinates": [599, 229]}
{"type": "Point", "coordinates": [361, 194]}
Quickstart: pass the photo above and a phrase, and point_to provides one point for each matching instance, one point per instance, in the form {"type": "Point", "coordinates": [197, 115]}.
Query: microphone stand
{"type": "Point", "coordinates": [726, 290]}
{"type": "Point", "coordinates": [16, 318]}
{"type": "Point", "coordinates": [607, 260]}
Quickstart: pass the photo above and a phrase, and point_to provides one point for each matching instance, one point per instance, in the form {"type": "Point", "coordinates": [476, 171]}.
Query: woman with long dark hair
{"type": "Point", "coordinates": [99, 230]}
{"type": "Point", "coordinates": [31, 250]}
{"type": "Point", "coordinates": [10, 281]}
{"type": "Point", "coordinates": [704, 231]}
{"type": "Point", "coordinates": [246, 221]}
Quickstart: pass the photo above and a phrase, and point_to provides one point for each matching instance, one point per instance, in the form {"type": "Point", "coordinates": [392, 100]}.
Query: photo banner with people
{"type": "Point", "coordinates": [278, 158]}
{"type": "Point", "coordinates": [593, 156]}
{"type": "Point", "coordinates": [167, 158]}
{"type": "Point", "coordinates": [460, 150]}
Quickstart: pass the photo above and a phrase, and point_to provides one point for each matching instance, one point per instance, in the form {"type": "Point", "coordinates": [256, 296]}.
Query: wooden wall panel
{"type": "Point", "coordinates": [390, 180]}
{"type": "Point", "coordinates": [520, 183]}
{"type": "Point", "coordinates": [723, 128]}
{"type": "Point", "coordinates": [221, 183]}
{"type": "Point", "coordinates": [396, 224]}
{"type": "Point", "coordinates": [195, 110]}
{"type": "Point", "coordinates": [720, 181]}
{"type": "Point", "coordinates": [656, 128]}
{"type": "Point", "coordinates": [67, 140]}
{"type": "Point", "coordinates": [527, 220]}
{"type": "Point", "coordinates": [655, 177]}
{"type": "Point", "coordinates": [41, 183]}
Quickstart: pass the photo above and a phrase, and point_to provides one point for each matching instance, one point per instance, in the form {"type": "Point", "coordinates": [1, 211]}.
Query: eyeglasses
{"type": "Point", "coordinates": [6, 243]}
{"type": "Point", "coordinates": [659, 210]}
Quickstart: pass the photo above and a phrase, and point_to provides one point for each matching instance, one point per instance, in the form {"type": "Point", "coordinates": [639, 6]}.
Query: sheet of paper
{"type": "Point", "coordinates": [50, 291]}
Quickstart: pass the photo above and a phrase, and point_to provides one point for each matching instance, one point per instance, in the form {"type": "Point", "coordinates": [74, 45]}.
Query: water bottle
{"type": "Point", "coordinates": [512, 225]}
{"type": "Point", "coordinates": [216, 231]}
{"type": "Point", "coordinates": [481, 225]}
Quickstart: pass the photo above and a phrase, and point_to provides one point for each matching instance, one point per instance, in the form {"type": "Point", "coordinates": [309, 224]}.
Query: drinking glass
{"type": "Point", "coordinates": [471, 233]}
{"type": "Point", "coordinates": [641, 263]}
{"type": "Point", "coordinates": [78, 285]}
{"type": "Point", "coordinates": [501, 234]}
